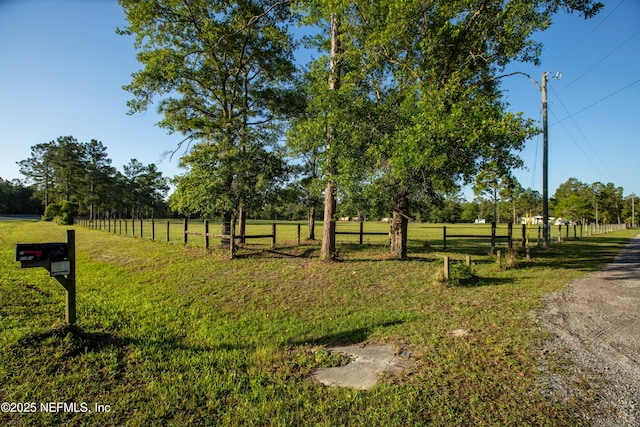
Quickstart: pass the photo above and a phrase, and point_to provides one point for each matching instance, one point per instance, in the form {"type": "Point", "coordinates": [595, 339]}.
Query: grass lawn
{"type": "Point", "coordinates": [169, 334]}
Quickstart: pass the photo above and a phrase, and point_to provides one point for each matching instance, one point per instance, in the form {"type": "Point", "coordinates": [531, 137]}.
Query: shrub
{"type": "Point", "coordinates": [63, 213]}
{"type": "Point", "coordinates": [52, 211]}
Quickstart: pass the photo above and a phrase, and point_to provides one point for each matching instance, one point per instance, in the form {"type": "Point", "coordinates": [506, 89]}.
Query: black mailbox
{"type": "Point", "coordinates": [60, 260]}
{"type": "Point", "coordinates": [42, 252]}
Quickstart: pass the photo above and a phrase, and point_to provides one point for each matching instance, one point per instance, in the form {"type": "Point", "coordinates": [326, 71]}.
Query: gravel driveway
{"type": "Point", "coordinates": [596, 324]}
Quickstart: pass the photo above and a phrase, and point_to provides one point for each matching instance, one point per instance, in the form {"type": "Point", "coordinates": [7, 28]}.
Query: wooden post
{"type": "Point", "coordinates": [361, 231]}
{"type": "Point", "coordinates": [168, 222]}
{"type": "Point", "coordinates": [69, 281]}
{"type": "Point", "coordinates": [446, 268]}
{"type": "Point", "coordinates": [206, 234]}
{"type": "Point", "coordinates": [510, 235]}
{"type": "Point", "coordinates": [567, 231]}
{"type": "Point", "coordinates": [232, 237]}
{"type": "Point", "coordinates": [298, 234]}
{"type": "Point", "coordinates": [126, 232]}
{"type": "Point", "coordinates": [493, 237]}
{"type": "Point", "coordinates": [524, 235]}
{"type": "Point", "coordinates": [467, 260]}
{"type": "Point", "coordinates": [444, 237]}
{"type": "Point", "coordinates": [273, 235]}
{"type": "Point", "coordinates": [153, 229]}
{"type": "Point", "coordinates": [560, 233]}
{"type": "Point", "coordinates": [499, 260]}
{"type": "Point", "coordinates": [141, 228]}
{"type": "Point", "coordinates": [186, 228]}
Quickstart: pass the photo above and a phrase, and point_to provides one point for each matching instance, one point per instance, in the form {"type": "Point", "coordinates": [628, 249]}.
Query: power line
{"type": "Point", "coordinates": [597, 102]}
{"type": "Point", "coordinates": [581, 149]}
{"type": "Point", "coordinates": [599, 61]}
{"type": "Point", "coordinates": [588, 35]}
{"type": "Point", "coordinates": [610, 174]}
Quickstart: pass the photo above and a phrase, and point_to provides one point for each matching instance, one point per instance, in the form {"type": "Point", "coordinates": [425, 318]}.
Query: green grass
{"type": "Point", "coordinates": [175, 335]}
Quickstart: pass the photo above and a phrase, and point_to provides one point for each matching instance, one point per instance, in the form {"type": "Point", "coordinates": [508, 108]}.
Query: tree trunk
{"type": "Point", "coordinates": [311, 221]}
{"type": "Point", "coordinates": [399, 223]}
{"type": "Point", "coordinates": [226, 228]}
{"type": "Point", "coordinates": [242, 223]}
{"type": "Point", "coordinates": [328, 248]}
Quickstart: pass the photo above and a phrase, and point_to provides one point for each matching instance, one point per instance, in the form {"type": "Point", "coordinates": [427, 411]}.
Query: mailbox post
{"type": "Point", "coordinates": [60, 260]}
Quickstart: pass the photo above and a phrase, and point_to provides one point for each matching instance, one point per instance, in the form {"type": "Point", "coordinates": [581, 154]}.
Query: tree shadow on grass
{"type": "Point", "coordinates": [347, 337]}
{"type": "Point", "coordinates": [75, 341]}
{"type": "Point", "coordinates": [585, 255]}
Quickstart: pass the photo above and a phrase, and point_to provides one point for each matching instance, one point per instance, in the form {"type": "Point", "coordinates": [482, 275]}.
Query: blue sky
{"type": "Point", "coordinates": [63, 68]}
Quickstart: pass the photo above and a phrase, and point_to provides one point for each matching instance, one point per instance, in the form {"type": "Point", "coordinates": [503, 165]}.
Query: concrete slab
{"type": "Point", "coordinates": [363, 372]}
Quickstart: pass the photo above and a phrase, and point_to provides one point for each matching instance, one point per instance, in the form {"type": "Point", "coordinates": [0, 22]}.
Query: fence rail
{"type": "Point", "coordinates": [287, 233]}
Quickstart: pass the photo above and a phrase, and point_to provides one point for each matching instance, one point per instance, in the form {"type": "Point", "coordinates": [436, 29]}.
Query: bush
{"type": "Point", "coordinates": [64, 213]}
{"type": "Point", "coordinates": [52, 211]}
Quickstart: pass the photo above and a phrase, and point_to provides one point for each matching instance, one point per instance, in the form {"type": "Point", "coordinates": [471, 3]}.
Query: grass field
{"type": "Point", "coordinates": [174, 335]}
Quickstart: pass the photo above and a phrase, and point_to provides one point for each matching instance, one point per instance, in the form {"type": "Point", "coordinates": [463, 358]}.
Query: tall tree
{"type": "Point", "coordinates": [69, 168]}
{"type": "Point", "coordinates": [443, 61]}
{"type": "Point", "coordinates": [221, 70]}
{"type": "Point", "coordinates": [99, 174]}
{"type": "Point", "coordinates": [574, 201]}
{"type": "Point", "coordinates": [39, 169]}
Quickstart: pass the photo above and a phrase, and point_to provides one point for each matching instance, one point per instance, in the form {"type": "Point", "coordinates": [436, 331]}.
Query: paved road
{"type": "Point", "coordinates": [597, 323]}
{"type": "Point", "coordinates": [6, 217]}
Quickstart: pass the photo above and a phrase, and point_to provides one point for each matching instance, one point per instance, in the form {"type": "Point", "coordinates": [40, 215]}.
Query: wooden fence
{"type": "Point", "coordinates": [180, 231]}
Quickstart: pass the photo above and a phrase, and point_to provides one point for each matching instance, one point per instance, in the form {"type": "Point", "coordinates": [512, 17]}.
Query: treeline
{"type": "Point", "coordinates": [69, 178]}
{"type": "Point", "coordinates": [76, 178]}
{"type": "Point", "coordinates": [573, 201]}
{"type": "Point", "coordinates": [17, 198]}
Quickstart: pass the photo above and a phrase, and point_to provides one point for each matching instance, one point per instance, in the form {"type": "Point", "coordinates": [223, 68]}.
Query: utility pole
{"type": "Point", "coordinates": [545, 164]}
{"type": "Point", "coordinates": [633, 210]}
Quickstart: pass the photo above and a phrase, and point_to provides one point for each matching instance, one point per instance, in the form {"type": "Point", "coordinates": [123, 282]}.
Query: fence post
{"type": "Point", "coordinates": [298, 234]}
{"type": "Point", "coordinates": [186, 228]}
{"type": "Point", "coordinates": [232, 237]}
{"type": "Point", "coordinates": [206, 234]}
{"type": "Point", "coordinates": [273, 235]}
{"type": "Point", "coordinates": [567, 231]}
{"type": "Point", "coordinates": [510, 235]}
{"type": "Point", "coordinates": [444, 237]}
{"type": "Point", "coordinates": [467, 260]}
{"type": "Point", "coordinates": [493, 237]}
{"type": "Point", "coordinates": [538, 242]}
{"type": "Point", "coordinates": [499, 260]}
{"type": "Point", "coordinates": [524, 235]}
{"type": "Point", "coordinates": [153, 229]}
{"type": "Point", "coordinates": [446, 268]}
{"type": "Point", "coordinates": [560, 233]}
{"type": "Point", "coordinates": [141, 228]}
{"type": "Point", "coordinates": [126, 232]}
{"type": "Point", "coordinates": [361, 230]}
{"type": "Point", "coordinates": [168, 222]}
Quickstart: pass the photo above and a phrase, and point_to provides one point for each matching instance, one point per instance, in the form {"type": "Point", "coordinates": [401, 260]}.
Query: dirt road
{"type": "Point", "coordinates": [596, 321]}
